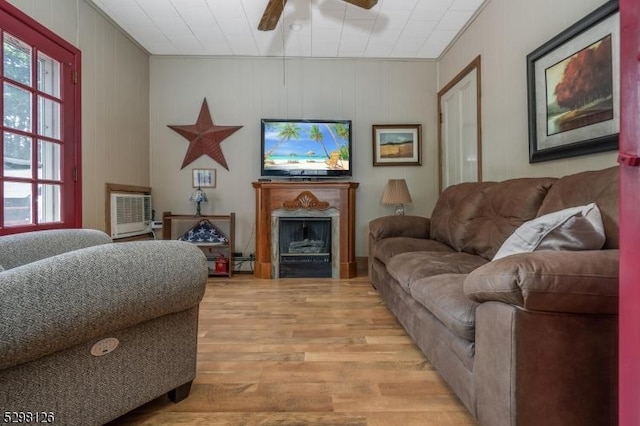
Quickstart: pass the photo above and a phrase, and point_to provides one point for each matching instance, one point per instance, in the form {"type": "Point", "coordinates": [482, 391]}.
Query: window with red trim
{"type": "Point", "coordinates": [40, 109]}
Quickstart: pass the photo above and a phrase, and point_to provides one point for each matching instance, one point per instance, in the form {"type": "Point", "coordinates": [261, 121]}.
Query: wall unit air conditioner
{"type": "Point", "coordinates": [130, 215]}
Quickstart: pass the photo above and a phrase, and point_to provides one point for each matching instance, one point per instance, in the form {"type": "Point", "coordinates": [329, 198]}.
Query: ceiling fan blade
{"type": "Point", "coordinates": [365, 4]}
{"type": "Point", "coordinates": [272, 14]}
{"type": "Point", "coordinates": [274, 9]}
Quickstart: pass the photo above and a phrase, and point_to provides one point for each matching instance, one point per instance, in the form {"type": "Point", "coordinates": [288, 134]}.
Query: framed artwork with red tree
{"type": "Point", "coordinates": [574, 89]}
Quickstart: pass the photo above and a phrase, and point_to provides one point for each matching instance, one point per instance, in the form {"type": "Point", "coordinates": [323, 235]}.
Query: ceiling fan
{"type": "Point", "coordinates": [274, 9]}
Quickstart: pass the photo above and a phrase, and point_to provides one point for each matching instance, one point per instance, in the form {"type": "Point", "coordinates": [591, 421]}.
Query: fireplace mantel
{"type": "Point", "coordinates": [278, 195]}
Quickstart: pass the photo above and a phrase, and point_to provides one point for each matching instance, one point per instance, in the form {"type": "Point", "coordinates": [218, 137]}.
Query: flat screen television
{"type": "Point", "coordinates": [306, 148]}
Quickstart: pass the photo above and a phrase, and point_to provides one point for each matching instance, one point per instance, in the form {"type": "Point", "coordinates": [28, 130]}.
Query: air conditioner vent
{"type": "Point", "coordinates": [131, 214]}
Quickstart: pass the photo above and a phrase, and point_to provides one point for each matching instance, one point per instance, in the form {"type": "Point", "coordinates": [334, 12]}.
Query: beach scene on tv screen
{"type": "Point", "coordinates": [306, 145]}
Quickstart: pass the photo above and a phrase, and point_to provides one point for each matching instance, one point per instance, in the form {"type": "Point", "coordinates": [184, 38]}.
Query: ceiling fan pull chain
{"type": "Point", "coordinates": [284, 68]}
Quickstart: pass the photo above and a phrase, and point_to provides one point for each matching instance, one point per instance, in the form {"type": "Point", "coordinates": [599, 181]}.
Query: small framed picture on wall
{"type": "Point", "coordinates": [204, 178]}
{"type": "Point", "coordinates": [397, 144]}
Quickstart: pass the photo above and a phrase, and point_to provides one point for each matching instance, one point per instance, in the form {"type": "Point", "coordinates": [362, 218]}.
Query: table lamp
{"type": "Point", "coordinates": [396, 192]}
{"type": "Point", "coordinates": [198, 196]}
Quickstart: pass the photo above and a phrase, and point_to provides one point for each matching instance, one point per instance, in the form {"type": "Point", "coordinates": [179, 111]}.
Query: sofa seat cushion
{"type": "Point", "coordinates": [385, 249]}
{"type": "Point", "coordinates": [444, 297]}
{"type": "Point", "coordinates": [409, 267]}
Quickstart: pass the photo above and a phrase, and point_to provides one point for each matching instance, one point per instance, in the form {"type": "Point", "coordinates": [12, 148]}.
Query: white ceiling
{"type": "Point", "coordinates": [329, 28]}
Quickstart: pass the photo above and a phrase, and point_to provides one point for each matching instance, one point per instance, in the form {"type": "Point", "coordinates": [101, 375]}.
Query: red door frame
{"type": "Point", "coordinates": [15, 21]}
{"type": "Point", "coordinates": [629, 337]}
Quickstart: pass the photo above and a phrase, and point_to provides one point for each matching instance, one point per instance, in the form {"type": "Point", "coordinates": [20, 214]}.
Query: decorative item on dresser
{"type": "Point", "coordinates": [198, 196]}
{"type": "Point", "coordinates": [396, 192]}
{"type": "Point", "coordinates": [213, 234]}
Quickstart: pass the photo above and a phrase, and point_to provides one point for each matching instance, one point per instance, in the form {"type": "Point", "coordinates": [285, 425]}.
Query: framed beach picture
{"type": "Point", "coordinates": [574, 89]}
{"type": "Point", "coordinates": [397, 144]}
{"type": "Point", "coordinates": [204, 178]}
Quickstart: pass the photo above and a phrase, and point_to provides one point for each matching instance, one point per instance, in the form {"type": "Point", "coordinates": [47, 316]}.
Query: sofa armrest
{"type": "Point", "coordinates": [399, 226]}
{"type": "Point", "coordinates": [20, 249]}
{"type": "Point", "coordinates": [65, 300]}
{"type": "Point", "coordinates": [584, 282]}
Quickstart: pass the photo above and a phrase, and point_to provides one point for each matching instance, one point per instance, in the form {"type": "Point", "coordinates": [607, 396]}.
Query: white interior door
{"type": "Point", "coordinates": [459, 129]}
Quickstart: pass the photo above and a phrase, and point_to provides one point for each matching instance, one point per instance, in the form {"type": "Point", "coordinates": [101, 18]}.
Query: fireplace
{"type": "Point", "coordinates": [305, 199]}
{"type": "Point", "coordinates": [304, 247]}
{"type": "Point", "coordinates": [304, 243]}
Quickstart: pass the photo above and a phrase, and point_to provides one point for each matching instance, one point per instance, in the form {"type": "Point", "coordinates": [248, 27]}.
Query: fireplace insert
{"type": "Point", "coordinates": [304, 247]}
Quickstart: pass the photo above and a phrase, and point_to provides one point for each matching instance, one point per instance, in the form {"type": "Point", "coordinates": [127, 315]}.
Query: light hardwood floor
{"type": "Point", "coordinates": [305, 352]}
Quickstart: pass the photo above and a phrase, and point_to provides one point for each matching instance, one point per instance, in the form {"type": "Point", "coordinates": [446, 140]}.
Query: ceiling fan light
{"type": "Point", "coordinates": [295, 27]}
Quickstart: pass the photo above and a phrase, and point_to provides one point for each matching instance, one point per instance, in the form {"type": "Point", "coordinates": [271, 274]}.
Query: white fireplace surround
{"type": "Point", "coordinates": [331, 212]}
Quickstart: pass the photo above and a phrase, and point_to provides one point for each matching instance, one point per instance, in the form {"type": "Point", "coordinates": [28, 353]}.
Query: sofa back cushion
{"type": "Point", "coordinates": [477, 217]}
{"type": "Point", "coordinates": [600, 187]}
{"type": "Point", "coordinates": [455, 207]}
{"type": "Point", "coordinates": [501, 208]}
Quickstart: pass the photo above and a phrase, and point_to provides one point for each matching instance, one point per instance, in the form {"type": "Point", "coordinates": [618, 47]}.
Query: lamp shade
{"type": "Point", "coordinates": [396, 192]}
{"type": "Point", "coordinates": [198, 196]}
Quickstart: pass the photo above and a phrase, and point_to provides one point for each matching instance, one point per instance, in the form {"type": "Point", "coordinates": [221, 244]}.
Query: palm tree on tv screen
{"type": "Point", "coordinates": [339, 131]}
{"type": "Point", "coordinates": [343, 133]}
{"type": "Point", "coordinates": [316, 135]}
{"type": "Point", "coordinates": [286, 132]}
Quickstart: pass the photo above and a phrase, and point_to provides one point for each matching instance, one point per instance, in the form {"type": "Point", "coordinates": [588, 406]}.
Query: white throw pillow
{"type": "Point", "coordinates": [575, 228]}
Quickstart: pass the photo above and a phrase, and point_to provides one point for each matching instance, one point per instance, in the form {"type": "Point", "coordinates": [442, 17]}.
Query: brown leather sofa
{"type": "Point", "coordinates": [527, 339]}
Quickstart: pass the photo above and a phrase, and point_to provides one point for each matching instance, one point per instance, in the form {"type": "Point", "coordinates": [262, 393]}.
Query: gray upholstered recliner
{"type": "Point", "coordinates": [63, 291]}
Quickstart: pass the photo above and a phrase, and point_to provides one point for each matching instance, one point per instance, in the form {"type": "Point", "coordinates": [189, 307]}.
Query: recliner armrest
{"type": "Point", "coordinates": [399, 226]}
{"type": "Point", "coordinates": [20, 249]}
{"type": "Point", "coordinates": [65, 300]}
{"type": "Point", "coordinates": [584, 282]}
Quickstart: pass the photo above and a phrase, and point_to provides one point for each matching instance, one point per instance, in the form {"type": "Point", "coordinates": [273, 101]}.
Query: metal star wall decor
{"type": "Point", "coordinates": [204, 137]}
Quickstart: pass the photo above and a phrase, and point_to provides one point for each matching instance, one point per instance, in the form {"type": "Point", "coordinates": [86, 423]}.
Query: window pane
{"type": "Point", "coordinates": [48, 118]}
{"type": "Point", "coordinates": [17, 204]}
{"type": "Point", "coordinates": [39, 135]}
{"type": "Point", "coordinates": [17, 156]}
{"type": "Point", "coordinates": [48, 160]}
{"type": "Point", "coordinates": [17, 60]}
{"type": "Point", "coordinates": [17, 108]}
{"type": "Point", "coordinates": [49, 203]}
{"type": "Point", "coordinates": [48, 75]}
